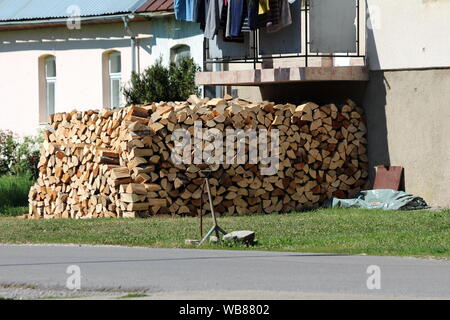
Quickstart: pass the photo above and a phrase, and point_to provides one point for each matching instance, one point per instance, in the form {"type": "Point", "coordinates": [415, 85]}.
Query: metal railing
{"type": "Point", "coordinates": [257, 58]}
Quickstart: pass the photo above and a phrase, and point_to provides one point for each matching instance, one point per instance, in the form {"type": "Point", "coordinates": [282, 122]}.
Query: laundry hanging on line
{"type": "Point", "coordinates": [284, 18]}
{"type": "Point", "coordinates": [234, 16]}
{"type": "Point", "coordinates": [184, 10]}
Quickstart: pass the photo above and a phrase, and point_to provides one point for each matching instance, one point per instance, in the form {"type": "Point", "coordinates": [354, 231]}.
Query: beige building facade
{"type": "Point", "coordinates": [81, 68]}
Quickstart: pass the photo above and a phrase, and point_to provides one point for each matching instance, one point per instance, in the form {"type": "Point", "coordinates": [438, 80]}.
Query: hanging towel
{"type": "Point", "coordinates": [213, 18]}
{"type": "Point", "coordinates": [284, 17]}
{"type": "Point", "coordinates": [184, 10]}
{"type": "Point", "coordinates": [200, 11]}
{"type": "Point", "coordinates": [252, 16]}
{"type": "Point", "coordinates": [227, 19]}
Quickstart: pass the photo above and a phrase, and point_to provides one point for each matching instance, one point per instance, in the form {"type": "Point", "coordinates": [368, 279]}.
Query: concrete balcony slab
{"type": "Point", "coordinates": [282, 75]}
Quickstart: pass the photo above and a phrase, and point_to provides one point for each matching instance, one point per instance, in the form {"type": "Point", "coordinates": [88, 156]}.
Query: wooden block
{"type": "Point", "coordinates": [120, 173]}
{"type": "Point", "coordinates": [130, 215]}
{"type": "Point", "coordinates": [157, 202]}
{"type": "Point", "coordinates": [142, 178]}
{"type": "Point", "coordinates": [152, 187]}
{"type": "Point", "coordinates": [155, 127]}
{"type": "Point", "coordinates": [136, 189]}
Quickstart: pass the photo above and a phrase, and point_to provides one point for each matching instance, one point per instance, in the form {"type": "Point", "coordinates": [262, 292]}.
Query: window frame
{"type": "Point", "coordinates": [177, 50]}
{"type": "Point", "coordinates": [49, 80]}
{"type": "Point", "coordinates": [114, 76]}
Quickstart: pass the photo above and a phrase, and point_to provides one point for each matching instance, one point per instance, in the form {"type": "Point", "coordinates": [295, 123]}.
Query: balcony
{"type": "Point", "coordinates": [325, 42]}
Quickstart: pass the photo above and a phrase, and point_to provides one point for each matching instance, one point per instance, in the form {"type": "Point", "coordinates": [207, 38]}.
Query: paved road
{"type": "Point", "coordinates": [176, 273]}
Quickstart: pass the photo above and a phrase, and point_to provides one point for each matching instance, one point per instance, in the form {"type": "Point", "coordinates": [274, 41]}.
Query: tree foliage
{"type": "Point", "coordinates": [160, 83]}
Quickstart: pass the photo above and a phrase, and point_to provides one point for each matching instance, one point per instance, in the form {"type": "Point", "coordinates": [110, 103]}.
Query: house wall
{"type": "Point", "coordinates": [408, 118]}
{"type": "Point", "coordinates": [406, 99]}
{"type": "Point", "coordinates": [79, 64]}
{"type": "Point", "coordinates": [408, 34]}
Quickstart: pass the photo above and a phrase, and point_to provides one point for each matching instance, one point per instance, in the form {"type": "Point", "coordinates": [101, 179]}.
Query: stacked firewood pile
{"type": "Point", "coordinates": [119, 163]}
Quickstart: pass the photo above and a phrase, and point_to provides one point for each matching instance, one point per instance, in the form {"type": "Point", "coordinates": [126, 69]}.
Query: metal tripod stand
{"type": "Point", "coordinates": [215, 228]}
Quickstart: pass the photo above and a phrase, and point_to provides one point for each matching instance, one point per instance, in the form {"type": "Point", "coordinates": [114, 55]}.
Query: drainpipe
{"type": "Point", "coordinates": [133, 41]}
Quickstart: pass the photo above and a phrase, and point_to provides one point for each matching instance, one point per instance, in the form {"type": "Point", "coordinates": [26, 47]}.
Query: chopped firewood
{"type": "Point", "coordinates": [118, 163]}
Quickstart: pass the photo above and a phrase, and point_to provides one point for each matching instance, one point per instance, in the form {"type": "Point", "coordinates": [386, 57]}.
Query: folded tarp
{"type": "Point", "coordinates": [385, 199]}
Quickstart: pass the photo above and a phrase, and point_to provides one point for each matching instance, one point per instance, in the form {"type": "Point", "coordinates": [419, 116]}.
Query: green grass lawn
{"type": "Point", "coordinates": [349, 231]}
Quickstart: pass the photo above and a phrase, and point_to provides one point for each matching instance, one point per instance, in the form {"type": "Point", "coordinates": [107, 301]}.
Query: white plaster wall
{"type": "Point", "coordinates": [19, 106]}
{"type": "Point", "coordinates": [79, 70]}
{"type": "Point", "coordinates": [408, 34]}
{"type": "Point", "coordinates": [79, 64]}
{"type": "Point", "coordinates": [167, 33]}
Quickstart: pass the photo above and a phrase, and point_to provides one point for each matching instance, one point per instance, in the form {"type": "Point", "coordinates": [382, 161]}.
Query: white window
{"type": "Point", "coordinates": [115, 79]}
{"type": "Point", "coordinates": [50, 85]}
{"type": "Point", "coordinates": [179, 52]}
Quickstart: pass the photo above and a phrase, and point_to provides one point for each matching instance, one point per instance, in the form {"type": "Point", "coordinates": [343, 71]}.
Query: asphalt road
{"type": "Point", "coordinates": [207, 274]}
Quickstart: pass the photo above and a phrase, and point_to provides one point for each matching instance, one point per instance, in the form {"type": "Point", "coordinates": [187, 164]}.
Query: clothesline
{"type": "Point", "coordinates": [233, 16]}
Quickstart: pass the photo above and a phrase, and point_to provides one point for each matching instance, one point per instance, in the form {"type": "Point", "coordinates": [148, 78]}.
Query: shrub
{"type": "Point", "coordinates": [14, 193]}
{"type": "Point", "coordinates": [182, 79]}
{"type": "Point", "coordinates": [27, 157]}
{"type": "Point", "coordinates": [8, 145]}
{"type": "Point", "coordinates": [160, 83]}
{"type": "Point", "coordinates": [19, 156]}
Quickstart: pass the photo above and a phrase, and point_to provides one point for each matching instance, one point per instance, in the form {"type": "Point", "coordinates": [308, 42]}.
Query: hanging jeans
{"type": "Point", "coordinates": [236, 17]}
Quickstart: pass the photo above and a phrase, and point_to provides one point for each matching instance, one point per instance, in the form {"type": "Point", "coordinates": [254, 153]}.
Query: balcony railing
{"type": "Point", "coordinates": [310, 12]}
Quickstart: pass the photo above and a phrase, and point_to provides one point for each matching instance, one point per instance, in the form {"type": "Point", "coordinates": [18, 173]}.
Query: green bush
{"type": "Point", "coordinates": [161, 83]}
{"type": "Point", "coordinates": [8, 145]}
{"type": "Point", "coordinates": [14, 193]}
{"type": "Point", "coordinates": [182, 79]}
{"type": "Point", "coordinates": [19, 156]}
{"type": "Point", "coordinates": [27, 157]}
